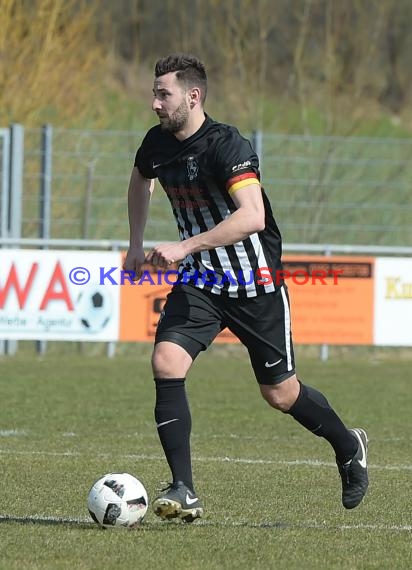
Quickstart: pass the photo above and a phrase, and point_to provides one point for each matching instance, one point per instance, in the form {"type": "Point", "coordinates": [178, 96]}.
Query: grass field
{"type": "Point", "coordinates": [270, 489]}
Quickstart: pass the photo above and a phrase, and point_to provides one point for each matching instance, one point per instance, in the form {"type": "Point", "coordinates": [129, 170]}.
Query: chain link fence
{"type": "Point", "coordinates": [323, 189]}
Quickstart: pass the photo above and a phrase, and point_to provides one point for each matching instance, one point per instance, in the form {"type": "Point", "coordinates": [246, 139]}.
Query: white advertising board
{"type": "Point", "coordinates": [58, 295]}
{"type": "Point", "coordinates": [393, 302]}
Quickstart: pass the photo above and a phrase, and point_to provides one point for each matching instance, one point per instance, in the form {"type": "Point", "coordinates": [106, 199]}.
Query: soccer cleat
{"type": "Point", "coordinates": [178, 501]}
{"type": "Point", "coordinates": [354, 473]}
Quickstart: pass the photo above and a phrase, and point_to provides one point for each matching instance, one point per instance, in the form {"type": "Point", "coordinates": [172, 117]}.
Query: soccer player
{"type": "Point", "coordinates": [228, 239]}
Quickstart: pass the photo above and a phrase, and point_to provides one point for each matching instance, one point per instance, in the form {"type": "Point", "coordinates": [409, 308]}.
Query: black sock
{"type": "Point", "coordinates": [174, 424]}
{"type": "Point", "coordinates": [312, 410]}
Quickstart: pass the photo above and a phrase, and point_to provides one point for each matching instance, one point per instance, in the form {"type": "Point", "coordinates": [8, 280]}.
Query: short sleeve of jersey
{"type": "Point", "coordinates": [235, 160]}
{"type": "Point", "coordinates": [143, 160]}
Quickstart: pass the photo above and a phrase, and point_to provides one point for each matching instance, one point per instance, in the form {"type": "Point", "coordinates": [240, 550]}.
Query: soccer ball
{"type": "Point", "coordinates": [94, 308]}
{"type": "Point", "coordinates": [119, 500]}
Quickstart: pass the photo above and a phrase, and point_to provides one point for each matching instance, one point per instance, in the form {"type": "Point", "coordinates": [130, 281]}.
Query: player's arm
{"type": "Point", "coordinates": [139, 194]}
{"type": "Point", "coordinates": [248, 218]}
{"type": "Point", "coordinates": [138, 200]}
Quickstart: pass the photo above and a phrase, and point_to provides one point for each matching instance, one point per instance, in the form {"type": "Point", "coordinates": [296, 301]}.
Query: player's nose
{"type": "Point", "coordinates": [156, 105]}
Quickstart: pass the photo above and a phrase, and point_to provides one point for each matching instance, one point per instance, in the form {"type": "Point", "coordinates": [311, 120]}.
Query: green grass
{"type": "Point", "coordinates": [68, 418]}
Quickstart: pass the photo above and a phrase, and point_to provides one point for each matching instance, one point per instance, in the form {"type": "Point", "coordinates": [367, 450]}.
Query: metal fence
{"type": "Point", "coordinates": [323, 189]}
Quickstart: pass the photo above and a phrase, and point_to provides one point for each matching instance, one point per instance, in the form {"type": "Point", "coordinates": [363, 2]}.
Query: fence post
{"type": "Point", "coordinates": [4, 203]}
{"type": "Point", "coordinates": [5, 179]}
{"type": "Point", "coordinates": [45, 198]}
{"type": "Point", "coordinates": [45, 181]}
{"type": "Point", "coordinates": [257, 144]}
{"type": "Point", "coordinates": [324, 349]}
{"type": "Point", "coordinates": [16, 179]}
{"type": "Point", "coordinates": [88, 199]}
{"type": "Point", "coordinates": [15, 196]}
{"type": "Point", "coordinates": [111, 346]}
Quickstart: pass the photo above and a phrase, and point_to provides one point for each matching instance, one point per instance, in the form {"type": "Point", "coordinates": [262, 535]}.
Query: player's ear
{"type": "Point", "coordinates": [194, 97]}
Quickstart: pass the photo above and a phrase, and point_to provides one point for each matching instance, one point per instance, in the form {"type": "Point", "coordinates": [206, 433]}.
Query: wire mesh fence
{"type": "Point", "coordinates": [336, 189]}
{"type": "Point", "coordinates": [323, 189]}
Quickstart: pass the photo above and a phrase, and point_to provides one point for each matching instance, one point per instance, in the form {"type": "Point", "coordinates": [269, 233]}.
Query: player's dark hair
{"type": "Point", "coordinates": [189, 70]}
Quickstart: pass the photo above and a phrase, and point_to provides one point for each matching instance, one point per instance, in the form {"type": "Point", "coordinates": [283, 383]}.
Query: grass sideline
{"type": "Point", "coordinates": [270, 489]}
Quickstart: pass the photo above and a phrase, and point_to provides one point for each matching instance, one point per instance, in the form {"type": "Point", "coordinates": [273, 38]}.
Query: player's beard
{"type": "Point", "coordinates": [177, 120]}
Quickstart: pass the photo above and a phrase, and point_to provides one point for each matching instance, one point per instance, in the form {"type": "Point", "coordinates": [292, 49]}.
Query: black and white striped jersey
{"type": "Point", "coordinates": [199, 175]}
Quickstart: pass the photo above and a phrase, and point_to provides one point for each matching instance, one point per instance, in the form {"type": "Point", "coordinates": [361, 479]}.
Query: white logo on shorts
{"type": "Point", "coordinates": [273, 363]}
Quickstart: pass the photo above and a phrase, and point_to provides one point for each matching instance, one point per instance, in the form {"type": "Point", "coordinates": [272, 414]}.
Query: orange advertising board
{"type": "Point", "coordinates": [338, 311]}
{"type": "Point", "coordinates": [332, 301]}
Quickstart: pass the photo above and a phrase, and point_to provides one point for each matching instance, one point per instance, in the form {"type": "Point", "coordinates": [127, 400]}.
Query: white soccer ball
{"type": "Point", "coordinates": [94, 308]}
{"type": "Point", "coordinates": [118, 500]}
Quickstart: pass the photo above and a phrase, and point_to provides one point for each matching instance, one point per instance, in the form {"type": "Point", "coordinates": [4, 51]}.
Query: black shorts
{"type": "Point", "coordinates": [192, 318]}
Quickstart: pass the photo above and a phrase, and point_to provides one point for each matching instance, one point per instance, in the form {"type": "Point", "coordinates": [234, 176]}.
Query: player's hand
{"type": "Point", "coordinates": [133, 262]}
{"type": "Point", "coordinates": [166, 254]}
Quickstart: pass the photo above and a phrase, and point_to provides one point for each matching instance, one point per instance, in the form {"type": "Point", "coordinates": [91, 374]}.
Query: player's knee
{"type": "Point", "coordinates": [277, 401]}
{"type": "Point", "coordinates": [170, 361]}
{"type": "Point", "coordinates": [162, 365]}
{"type": "Point", "coordinates": [281, 396]}
{"type": "Point", "coordinates": [158, 363]}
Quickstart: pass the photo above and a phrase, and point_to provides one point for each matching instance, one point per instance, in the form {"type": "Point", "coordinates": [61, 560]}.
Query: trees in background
{"type": "Point", "coordinates": [49, 59]}
{"type": "Point", "coordinates": [324, 53]}
{"type": "Point", "coordinates": [308, 51]}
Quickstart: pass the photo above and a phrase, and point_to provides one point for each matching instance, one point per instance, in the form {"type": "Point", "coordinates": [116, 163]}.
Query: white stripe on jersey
{"type": "Point", "coordinates": [262, 262]}
{"type": "Point", "coordinates": [224, 259]}
{"type": "Point", "coordinates": [221, 252]}
{"type": "Point", "coordinates": [189, 258]}
{"type": "Point", "coordinates": [227, 267]}
{"type": "Point", "coordinates": [287, 328]}
{"type": "Point", "coordinates": [247, 269]}
{"type": "Point", "coordinates": [232, 284]}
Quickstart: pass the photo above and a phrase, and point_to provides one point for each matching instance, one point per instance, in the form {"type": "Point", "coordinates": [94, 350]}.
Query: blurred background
{"type": "Point", "coordinates": [322, 87]}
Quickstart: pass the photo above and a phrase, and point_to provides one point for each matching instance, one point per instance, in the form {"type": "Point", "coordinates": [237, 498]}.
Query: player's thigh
{"type": "Point", "coordinates": [190, 318]}
{"type": "Point", "coordinates": [263, 325]}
